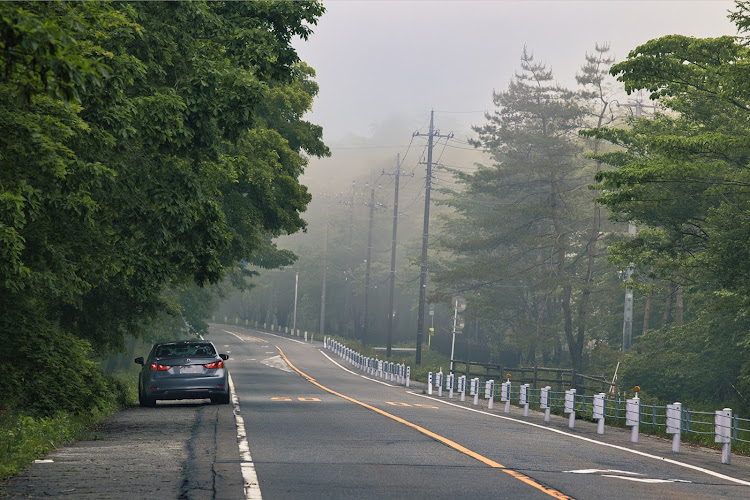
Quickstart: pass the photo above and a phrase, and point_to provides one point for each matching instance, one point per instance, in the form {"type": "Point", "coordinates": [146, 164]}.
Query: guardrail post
{"type": "Point", "coordinates": [524, 399]}
{"type": "Point", "coordinates": [598, 411]}
{"type": "Point", "coordinates": [505, 395]}
{"type": "Point", "coordinates": [632, 415]}
{"type": "Point", "coordinates": [723, 433]}
{"type": "Point", "coordinates": [570, 407]}
{"type": "Point", "coordinates": [674, 424]}
{"type": "Point", "coordinates": [544, 401]}
{"type": "Point", "coordinates": [489, 393]}
{"type": "Point", "coordinates": [429, 383]}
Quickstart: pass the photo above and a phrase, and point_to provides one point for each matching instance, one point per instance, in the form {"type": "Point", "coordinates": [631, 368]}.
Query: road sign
{"type": "Point", "coordinates": [458, 303]}
{"type": "Point", "coordinates": [459, 323]}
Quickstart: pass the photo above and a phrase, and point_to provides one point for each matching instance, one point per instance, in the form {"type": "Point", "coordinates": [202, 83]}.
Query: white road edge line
{"type": "Point", "coordinates": [267, 333]}
{"type": "Point", "coordinates": [249, 477]}
{"type": "Point", "coordinates": [232, 333]}
{"type": "Point", "coordinates": [354, 373]}
{"type": "Point", "coordinates": [594, 441]}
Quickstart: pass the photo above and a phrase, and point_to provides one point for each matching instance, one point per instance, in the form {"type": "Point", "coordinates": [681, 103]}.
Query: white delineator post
{"type": "Point", "coordinates": [429, 383]}
{"type": "Point", "coordinates": [633, 414]}
{"type": "Point", "coordinates": [599, 411]}
{"type": "Point", "coordinates": [723, 433]}
{"type": "Point", "coordinates": [505, 394]}
{"type": "Point", "coordinates": [570, 407]}
{"type": "Point", "coordinates": [489, 393]}
{"type": "Point", "coordinates": [674, 424]}
{"type": "Point", "coordinates": [408, 375]}
{"type": "Point", "coordinates": [544, 402]}
{"type": "Point", "coordinates": [439, 383]}
{"type": "Point", "coordinates": [462, 387]}
{"type": "Point", "coordinates": [475, 390]}
{"type": "Point", "coordinates": [523, 399]}
{"type": "Point", "coordinates": [450, 385]}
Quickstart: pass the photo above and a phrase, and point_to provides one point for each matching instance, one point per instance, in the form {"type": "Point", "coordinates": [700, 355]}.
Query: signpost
{"type": "Point", "coordinates": [459, 305]}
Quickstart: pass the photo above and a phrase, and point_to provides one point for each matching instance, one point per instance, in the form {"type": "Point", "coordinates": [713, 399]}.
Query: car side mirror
{"type": "Point", "coordinates": [139, 361]}
{"type": "Point", "coordinates": [224, 356]}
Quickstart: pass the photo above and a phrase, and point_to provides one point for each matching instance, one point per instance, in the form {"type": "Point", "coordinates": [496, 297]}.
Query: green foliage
{"type": "Point", "coordinates": [702, 363]}
{"type": "Point", "coordinates": [521, 231]}
{"type": "Point", "coordinates": [44, 370]}
{"type": "Point", "coordinates": [24, 438]}
{"type": "Point", "coordinates": [683, 178]}
{"type": "Point", "coordinates": [144, 148]}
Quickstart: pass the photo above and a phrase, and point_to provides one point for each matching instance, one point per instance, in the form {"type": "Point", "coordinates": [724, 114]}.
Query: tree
{"type": "Point", "coordinates": [684, 176]}
{"type": "Point", "coordinates": [520, 216]}
{"type": "Point", "coordinates": [145, 147]}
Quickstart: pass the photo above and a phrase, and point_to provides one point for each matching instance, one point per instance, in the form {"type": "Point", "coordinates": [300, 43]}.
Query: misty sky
{"type": "Point", "coordinates": [385, 64]}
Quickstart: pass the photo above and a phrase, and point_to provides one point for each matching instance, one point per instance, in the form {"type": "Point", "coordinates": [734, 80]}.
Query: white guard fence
{"type": "Point", "coordinates": [392, 372]}
{"type": "Point", "coordinates": [725, 427]}
{"type": "Point", "coordinates": [673, 419]}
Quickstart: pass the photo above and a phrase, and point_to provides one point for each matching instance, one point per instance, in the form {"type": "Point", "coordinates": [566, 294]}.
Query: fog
{"type": "Point", "coordinates": [383, 65]}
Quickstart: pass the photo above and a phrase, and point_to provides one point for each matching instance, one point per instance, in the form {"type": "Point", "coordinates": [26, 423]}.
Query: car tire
{"type": "Point", "coordinates": [223, 399]}
{"type": "Point", "coordinates": [144, 400]}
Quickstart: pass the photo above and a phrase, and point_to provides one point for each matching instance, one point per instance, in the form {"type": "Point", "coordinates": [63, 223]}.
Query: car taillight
{"type": "Point", "coordinates": [158, 367]}
{"type": "Point", "coordinates": [215, 365]}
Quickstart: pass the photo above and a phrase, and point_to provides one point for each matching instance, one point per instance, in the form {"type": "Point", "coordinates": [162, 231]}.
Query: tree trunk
{"type": "Point", "coordinates": [668, 307]}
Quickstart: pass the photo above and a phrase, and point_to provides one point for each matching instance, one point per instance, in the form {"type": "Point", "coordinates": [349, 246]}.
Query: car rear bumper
{"type": "Point", "coordinates": [186, 393]}
{"type": "Point", "coordinates": [188, 387]}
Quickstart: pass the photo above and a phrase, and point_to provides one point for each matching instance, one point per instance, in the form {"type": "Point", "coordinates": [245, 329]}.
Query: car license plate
{"type": "Point", "coordinates": [191, 369]}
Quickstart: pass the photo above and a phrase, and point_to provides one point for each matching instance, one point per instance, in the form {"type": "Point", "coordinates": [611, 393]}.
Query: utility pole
{"type": "Point", "coordinates": [369, 254]}
{"type": "Point", "coordinates": [349, 264]}
{"type": "Point", "coordinates": [425, 234]}
{"type": "Point", "coordinates": [321, 329]}
{"type": "Point", "coordinates": [391, 312]}
{"type": "Point", "coordinates": [296, 287]}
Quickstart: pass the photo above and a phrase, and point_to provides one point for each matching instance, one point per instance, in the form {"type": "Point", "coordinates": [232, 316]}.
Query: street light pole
{"type": "Point", "coordinates": [296, 287]}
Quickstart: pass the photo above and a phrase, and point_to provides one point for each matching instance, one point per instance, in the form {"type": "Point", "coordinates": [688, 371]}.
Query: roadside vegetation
{"type": "Point", "coordinates": [147, 151]}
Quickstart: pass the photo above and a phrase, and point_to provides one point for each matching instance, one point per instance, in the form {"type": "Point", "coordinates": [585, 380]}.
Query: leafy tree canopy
{"type": "Point", "coordinates": [145, 146]}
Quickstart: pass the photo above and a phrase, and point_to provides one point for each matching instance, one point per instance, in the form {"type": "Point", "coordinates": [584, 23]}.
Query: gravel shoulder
{"type": "Point", "coordinates": [185, 450]}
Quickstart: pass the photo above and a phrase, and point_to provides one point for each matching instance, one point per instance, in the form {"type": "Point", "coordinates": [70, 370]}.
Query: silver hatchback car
{"type": "Point", "coordinates": [183, 370]}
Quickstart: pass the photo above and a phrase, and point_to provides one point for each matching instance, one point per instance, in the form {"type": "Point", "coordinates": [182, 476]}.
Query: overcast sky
{"type": "Point", "coordinates": [381, 62]}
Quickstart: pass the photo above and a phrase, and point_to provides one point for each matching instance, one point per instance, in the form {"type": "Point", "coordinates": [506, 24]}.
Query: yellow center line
{"type": "Point", "coordinates": [521, 477]}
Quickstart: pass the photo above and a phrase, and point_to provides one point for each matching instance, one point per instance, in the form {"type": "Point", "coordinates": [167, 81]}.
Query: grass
{"type": "Point", "coordinates": [25, 438]}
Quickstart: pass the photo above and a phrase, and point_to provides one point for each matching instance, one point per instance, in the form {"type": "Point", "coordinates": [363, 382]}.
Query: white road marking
{"type": "Point", "coordinates": [266, 333]}
{"type": "Point", "coordinates": [277, 362]}
{"type": "Point", "coordinates": [232, 333]}
{"type": "Point", "coordinates": [249, 477]}
{"type": "Point", "coordinates": [596, 471]}
{"type": "Point", "coordinates": [647, 480]}
{"type": "Point", "coordinates": [593, 441]}
{"type": "Point", "coordinates": [354, 373]}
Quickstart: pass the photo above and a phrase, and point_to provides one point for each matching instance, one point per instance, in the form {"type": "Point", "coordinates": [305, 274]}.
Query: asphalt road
{"type": "Point", "coordinates": [312, 428]}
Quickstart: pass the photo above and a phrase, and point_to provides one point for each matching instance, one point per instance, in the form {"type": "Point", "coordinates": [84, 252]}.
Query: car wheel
{"type": "Point", "coordinates": [223, 399]}
{"type": "Point", "coordinates": [145, 400]}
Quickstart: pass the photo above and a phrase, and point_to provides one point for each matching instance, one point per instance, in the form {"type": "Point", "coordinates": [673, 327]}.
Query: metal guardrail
{"type": "Point", "coordinates": [670, 419]}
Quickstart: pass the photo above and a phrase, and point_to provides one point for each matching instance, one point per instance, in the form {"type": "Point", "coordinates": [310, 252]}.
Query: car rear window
{"type": "Point", "coordinates": [184, 350]}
